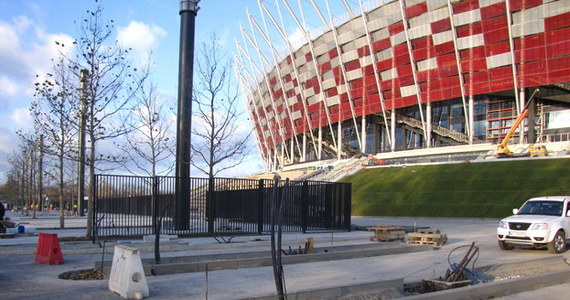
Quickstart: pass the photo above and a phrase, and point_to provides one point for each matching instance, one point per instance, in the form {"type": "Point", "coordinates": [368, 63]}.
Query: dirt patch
{"type": "Point", "coordinates": [87, 274]}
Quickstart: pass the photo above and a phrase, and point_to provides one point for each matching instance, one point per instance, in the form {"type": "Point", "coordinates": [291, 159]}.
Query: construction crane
{"type": "Point", "coordinates": [503, 150]}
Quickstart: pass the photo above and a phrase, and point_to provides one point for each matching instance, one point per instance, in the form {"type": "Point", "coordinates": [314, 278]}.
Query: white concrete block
{"type": "Point", "coordinates": [127, 274]}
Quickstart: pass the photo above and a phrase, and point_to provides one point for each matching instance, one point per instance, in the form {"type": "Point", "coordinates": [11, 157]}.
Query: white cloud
{"type": "Point", "coordinates": [8, 87]}
{"type": "Point", "coordinates": [21, 118]}
{"type": "Point", "coordinates": [140, 37]}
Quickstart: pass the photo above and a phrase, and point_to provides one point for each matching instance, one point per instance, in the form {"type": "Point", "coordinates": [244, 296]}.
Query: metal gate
{"type": "Point", "coordinates": [137, 206]}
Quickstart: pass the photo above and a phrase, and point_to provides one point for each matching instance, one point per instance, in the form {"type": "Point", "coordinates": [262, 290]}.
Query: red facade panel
{"type": "Point", "coordinates": [440, 26]}
{"type": "Point", "coordinates": [416, 10]}
{"type": "Point", "coordinates": [556, 22]}
{"type": "Point", "coordinates": [444, 48]}
{"type": "Point", "coordinates": [396, 28]}
{"type": "Point", "coordinates": [493, 10]}
{"type": "Point", "coordinates": [469, 29]}
{"type": "Point", "coordinates": [558, 49]}
{"type": "Point", "coordinates": [465, 6]}
{"type": "Point", "coordinates": [523, 4]}
{"type": "Point", "coordinates": [381, 44]}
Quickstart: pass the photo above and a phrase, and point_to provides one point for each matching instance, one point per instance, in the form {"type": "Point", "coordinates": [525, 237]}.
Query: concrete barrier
{"type": "Point", "coordinates": [127, 276]}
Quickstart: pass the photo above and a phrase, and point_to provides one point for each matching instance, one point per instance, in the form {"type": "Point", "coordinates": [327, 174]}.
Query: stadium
{"type": "Point", "coordinates": [387, 77]}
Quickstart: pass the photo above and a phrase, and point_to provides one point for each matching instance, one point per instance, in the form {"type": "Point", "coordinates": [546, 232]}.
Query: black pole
{"type": "Point", "coordinates": [188, 11]}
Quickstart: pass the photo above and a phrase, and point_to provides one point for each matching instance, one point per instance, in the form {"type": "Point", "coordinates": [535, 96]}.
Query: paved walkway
{"type": "Point", "coordinates": [22, 278]}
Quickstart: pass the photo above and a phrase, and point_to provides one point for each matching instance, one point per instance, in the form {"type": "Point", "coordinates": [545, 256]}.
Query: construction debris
{"type": "Point", "coordinates": [383, 233]}
{"type": "Point", "coordinates": [427, 236]}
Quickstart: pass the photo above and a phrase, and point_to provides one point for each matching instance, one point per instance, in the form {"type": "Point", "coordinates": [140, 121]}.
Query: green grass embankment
{"type": "Point", "coordinates": [483, 190]}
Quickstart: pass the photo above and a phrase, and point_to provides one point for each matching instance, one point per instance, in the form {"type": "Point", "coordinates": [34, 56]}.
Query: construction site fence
{"type": "Point", "coordinates": [139, 206]}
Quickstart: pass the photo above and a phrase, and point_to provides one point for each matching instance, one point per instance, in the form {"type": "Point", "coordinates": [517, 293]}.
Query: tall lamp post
{"type": "Point", "coordinates": [188, 12]}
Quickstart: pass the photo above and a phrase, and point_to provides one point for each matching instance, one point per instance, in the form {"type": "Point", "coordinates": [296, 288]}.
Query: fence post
{"type": "Point", "coordinates": [155, 208]}
{"type": "Point", "coordinates": [305, 206]}
{"type": "Point", "coordinates": [347, 187]}
{"type": "Point", "coordinates": [260, 196]}
{"type": "Point", "coordinates": [94, 224]}
{"type": "Point", "coordinates": [210, 206]}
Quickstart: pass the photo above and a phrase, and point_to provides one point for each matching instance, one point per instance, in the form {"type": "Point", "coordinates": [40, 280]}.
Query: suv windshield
{"type": "Point", "coordinates": [550, 208]}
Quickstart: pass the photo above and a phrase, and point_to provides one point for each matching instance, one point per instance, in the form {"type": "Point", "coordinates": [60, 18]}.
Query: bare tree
{"type": "Point", "coordinates": [149, 146]}
{"type": "Point", "coordinates": [217, 142]}
{"type": "Point", "coordinates": [109, 88]}
{"type": "Point", "coordinates": [54, 112]}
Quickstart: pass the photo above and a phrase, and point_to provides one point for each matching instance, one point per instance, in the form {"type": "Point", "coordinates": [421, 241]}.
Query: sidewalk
{"type": "Point", "coordinates": [22, 278]}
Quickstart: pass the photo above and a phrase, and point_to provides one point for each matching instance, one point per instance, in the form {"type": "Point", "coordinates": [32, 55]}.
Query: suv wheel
{"type": "Point", "coordinates": [558, 244]}
{"type": "Point", "coordinates": [505, 246]}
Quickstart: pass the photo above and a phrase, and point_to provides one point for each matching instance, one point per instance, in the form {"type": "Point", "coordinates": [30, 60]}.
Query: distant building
{"type": "Point", "coordinates": [407, 74]}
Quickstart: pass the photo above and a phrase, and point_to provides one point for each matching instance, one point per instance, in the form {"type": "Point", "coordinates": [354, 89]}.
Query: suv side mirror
{"type": "Point", "coordinates": [568, 213]}
{"type": "Point", "coordinates": [515, 211]}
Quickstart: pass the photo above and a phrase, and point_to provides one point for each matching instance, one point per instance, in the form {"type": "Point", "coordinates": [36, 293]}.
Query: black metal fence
{"type": "Point", "coordinates": [137, 206]}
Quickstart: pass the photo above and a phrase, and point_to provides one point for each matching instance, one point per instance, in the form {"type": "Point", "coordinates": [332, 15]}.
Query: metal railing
{"type": "Point", "coordinates": [136, 206]}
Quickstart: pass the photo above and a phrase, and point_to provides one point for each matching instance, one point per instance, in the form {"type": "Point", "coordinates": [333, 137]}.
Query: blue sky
{"type": "Point", "coordinates": [28, 29]}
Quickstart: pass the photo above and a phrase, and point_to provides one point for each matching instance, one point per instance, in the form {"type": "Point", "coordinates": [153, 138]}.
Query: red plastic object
{"type": "Point", "coordinates": [48, 250]}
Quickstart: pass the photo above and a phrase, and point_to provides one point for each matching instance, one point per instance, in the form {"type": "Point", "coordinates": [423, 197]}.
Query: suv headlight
{"type": "Point", "coordinates": [539, 226]}
{"type": "Point", "coordinates": [503, 224]}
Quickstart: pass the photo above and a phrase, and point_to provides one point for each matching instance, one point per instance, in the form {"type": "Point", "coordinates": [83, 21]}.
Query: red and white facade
{"type": "Point", "coordinates": [378, 73]}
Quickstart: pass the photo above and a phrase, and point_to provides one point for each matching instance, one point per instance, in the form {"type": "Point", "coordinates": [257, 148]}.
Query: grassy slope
{"type": "Point", "coordinates": [488, 189]}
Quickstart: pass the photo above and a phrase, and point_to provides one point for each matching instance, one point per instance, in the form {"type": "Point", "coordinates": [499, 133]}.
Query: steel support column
{"type": "Point", "coordinates": [188, 11]}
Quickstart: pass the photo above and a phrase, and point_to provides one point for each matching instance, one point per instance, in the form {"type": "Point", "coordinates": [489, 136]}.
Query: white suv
{"type": "Point", "coordinates": [540, 222]}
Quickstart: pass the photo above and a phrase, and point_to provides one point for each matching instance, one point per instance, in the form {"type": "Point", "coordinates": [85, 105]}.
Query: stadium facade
{"type": "Point", "coordinates": [397, 75]}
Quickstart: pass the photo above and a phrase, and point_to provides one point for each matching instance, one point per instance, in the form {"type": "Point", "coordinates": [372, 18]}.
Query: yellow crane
{"type": "Point", "coordinates": [535, 150]}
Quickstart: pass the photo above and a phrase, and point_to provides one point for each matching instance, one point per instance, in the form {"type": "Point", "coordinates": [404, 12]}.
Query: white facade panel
{"type": "Point", "coordinates": [389, 74]}
{"type": "Point", "coordinates": [384, 54]}
{"type": "Point", "coordinates": [471, 41]}
{"type": "Point", "coordinates": [296, 115]}
{"type": "Point", "coordinates": [398, 38]}
{"type": "Point", "coordinates": [430, 63]}
{"type": "Point", "coordinates": [350, 56]}
{"type": "Point", "coordinates": [434, 4]}
{"type": "Point", "coordinates": [329, 83]}
{"type": "Point", "coordinates": [354, 74]}
{"type": "Point", "coordinates": [408, 90]}
{"type": "Point", "coordinates": [442, 37]}
{"type": "Point", "coordinates": [485, 3]}
{"type": "Point", "coordinates": [528, 28]}
{"type": "Point", "coordinates": [467, 17]}
{"type": "Point", "coordinates": [334, 100]}
{"type": "Point", "coordinates": [420, 31]}
{"type": "Point", "coordinates": [555, 8]}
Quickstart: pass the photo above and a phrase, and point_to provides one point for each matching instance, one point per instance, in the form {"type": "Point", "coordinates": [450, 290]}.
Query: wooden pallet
{"type": "Point", "coordinates": [383, 233]}
{"type": "Point", "coordinates": [427, 237]}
